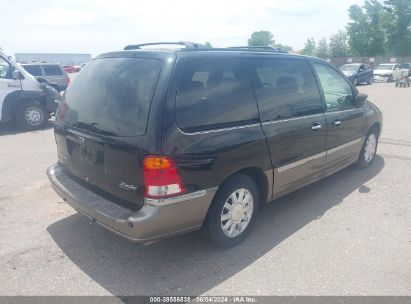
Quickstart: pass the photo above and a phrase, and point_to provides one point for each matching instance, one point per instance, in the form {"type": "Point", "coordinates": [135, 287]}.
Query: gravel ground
{"type": "Point", "coordinates": [349, 234]}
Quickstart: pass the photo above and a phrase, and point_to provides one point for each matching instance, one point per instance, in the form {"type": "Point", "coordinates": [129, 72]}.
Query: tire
{"type": "Point", "coordinates": [368, 150]}
{"type": "Point", "coordinates": [355, 81]}
{"type": "Point", "coordinates": [219, 215]}
{"type": "Point", "coordinates": [31, 116]}
{"type": "Point", "coordinates": [390, 79]}
{"type": "Point", "coordinates": [369, 82]}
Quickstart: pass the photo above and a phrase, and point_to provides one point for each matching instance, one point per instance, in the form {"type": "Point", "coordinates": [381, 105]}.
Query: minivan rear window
{"type": "Point", "coordinates": [52, 70]}
{"type": "Point", "coordinates": [112, 96]}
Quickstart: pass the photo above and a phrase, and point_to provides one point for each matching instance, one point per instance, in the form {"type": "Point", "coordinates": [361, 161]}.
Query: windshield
{"type": "Point", "coordinates": [112, 96]}
{"type": "Point", "coordinates": [385, 67]}
{"type": "Point", "coordinates": [349, 68]}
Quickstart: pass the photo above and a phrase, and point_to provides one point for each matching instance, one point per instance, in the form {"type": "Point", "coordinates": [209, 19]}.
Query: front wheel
{"type": "Point", "coordinates": [368, 150]}
{"type": "Point", "coordinates": [31, 116]}
{"type": "Point", "coordinates": [233, 212]}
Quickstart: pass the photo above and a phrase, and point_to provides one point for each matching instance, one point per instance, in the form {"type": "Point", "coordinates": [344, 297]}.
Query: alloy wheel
{"type": "Point", "coordinates": [370, 147]}
{"type": "Point", "coordinates": [237, 212]}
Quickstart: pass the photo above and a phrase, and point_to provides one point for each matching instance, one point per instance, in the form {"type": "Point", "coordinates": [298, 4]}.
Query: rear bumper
{"type": "Point", "coordinates": [156, 219]}
{"type": "Point", "coordinates": [52, 97]}
{"type": "Point", "coordinates": [62, 87]}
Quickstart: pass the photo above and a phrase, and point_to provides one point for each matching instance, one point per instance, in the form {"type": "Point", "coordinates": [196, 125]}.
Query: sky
{"type": "Point", "coordinates": [98, 26]}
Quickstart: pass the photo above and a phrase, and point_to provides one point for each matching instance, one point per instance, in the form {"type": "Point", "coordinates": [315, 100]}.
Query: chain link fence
{"type": "Point", "coordinates": [373, 61]}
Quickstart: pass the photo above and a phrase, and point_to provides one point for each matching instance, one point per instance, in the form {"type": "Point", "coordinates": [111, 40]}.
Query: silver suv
{"type": "Point", "coordinates": [52, 72]}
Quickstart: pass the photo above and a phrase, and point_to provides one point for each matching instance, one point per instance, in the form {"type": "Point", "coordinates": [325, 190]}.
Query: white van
{"type": "Point", "coordinates": [23, 98]}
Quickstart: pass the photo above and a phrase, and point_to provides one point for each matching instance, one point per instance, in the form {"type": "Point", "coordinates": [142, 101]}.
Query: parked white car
{"type": "Point", "coordinates": [23, 98]}
{"type": "Point", "coordinates": [384, 72]}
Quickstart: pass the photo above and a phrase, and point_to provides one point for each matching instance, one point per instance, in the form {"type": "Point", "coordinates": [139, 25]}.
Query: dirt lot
{"type": "Point", "coordinates": [349, 234]}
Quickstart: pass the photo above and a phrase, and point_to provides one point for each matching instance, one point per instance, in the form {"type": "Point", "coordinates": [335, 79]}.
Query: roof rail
{"type": "Point", "coordinates": [258, 48]}
{"type": "Point", "coordinates": [187, 44]}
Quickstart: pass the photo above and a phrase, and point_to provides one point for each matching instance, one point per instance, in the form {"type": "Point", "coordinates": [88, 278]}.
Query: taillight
{"type": "Point", "coordinates": [61, 112]}
{"type": "Point", "coordinates": [161, 177]}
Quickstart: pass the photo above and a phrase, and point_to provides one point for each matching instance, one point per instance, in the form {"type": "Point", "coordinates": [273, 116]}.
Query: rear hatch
{"type": "Point", "coordinates": [101, 123]}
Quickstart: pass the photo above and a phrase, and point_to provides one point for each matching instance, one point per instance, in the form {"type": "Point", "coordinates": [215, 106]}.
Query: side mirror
{"type": "Point", "coordinates": [360, 99]}
{"type": "Point", "coordinates": [16, 75]}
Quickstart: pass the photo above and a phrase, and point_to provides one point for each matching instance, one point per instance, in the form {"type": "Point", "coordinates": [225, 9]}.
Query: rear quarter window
{"type": "Point", "coordinates": [214, 93]}
{"type": "Point", "coordinates": [34, 70]}
{"type": "Point", "coordinates": [52, 70]}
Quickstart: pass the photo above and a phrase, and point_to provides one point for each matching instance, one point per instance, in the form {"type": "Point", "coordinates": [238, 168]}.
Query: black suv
{"type": "Point", "coordinates": [154, 143]}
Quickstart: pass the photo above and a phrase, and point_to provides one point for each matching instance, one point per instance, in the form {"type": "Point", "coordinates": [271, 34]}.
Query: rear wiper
{"type": "Point", "coordinates": [92, 127]}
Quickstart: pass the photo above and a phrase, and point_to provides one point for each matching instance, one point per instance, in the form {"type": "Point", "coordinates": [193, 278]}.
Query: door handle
{"type": "Point", "coordinates": [316, 126]}
{"type": "Point", "coordinates": [337, 122]}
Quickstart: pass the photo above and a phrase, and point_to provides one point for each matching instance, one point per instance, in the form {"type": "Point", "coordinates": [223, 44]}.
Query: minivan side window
{"type": "Point", "coordinates": [338, 92]}
{"type": "Point", "coordinates": [285, 88]}
{"type": "Point", "coordinates": [214, 93]}
{"type": "Point", "coordinates": [4, 68]}
{"type": "Point", "coordinates": [52, 70]}
{"type": "Point", "coordinates": [34, 70]}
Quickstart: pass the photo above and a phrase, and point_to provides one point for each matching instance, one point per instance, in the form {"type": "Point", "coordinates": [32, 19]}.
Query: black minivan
{"type": "Point", "coordinates": [156, 142]}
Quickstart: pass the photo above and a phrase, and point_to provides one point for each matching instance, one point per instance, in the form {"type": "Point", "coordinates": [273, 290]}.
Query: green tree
{"type": "Point", "coordinates": [284, 47]}
{"type": "Point", "coordinates": [261, 38]}
{"type": "Point", "coordinates": [338, 45]}
{"type": "Point", "coordinates": [322, 48]}
{"type": "Point", "coordinates": [398, 27]}
{"type": "Point", "coordinates": [367, 29]}
{"type": "Point", "coordinates": [208, 44]}
{"type": "Point", "coordinates": [309, 47]}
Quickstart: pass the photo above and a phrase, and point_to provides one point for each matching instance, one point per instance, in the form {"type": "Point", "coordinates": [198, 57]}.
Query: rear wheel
{"type": "Point", "coordinates": [368, 150]}
{"type": "Point", "coordinates": [233, 211]}
{"type": "Point", "coordinates": [31, 116]}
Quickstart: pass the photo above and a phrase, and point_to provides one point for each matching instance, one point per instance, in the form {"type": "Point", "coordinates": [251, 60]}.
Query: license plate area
{"type": "Point", "coordinates": [84, 152]}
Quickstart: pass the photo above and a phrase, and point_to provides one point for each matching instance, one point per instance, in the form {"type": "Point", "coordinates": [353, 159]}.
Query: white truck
{"type": "Point", "coordinates": [24, 99]}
